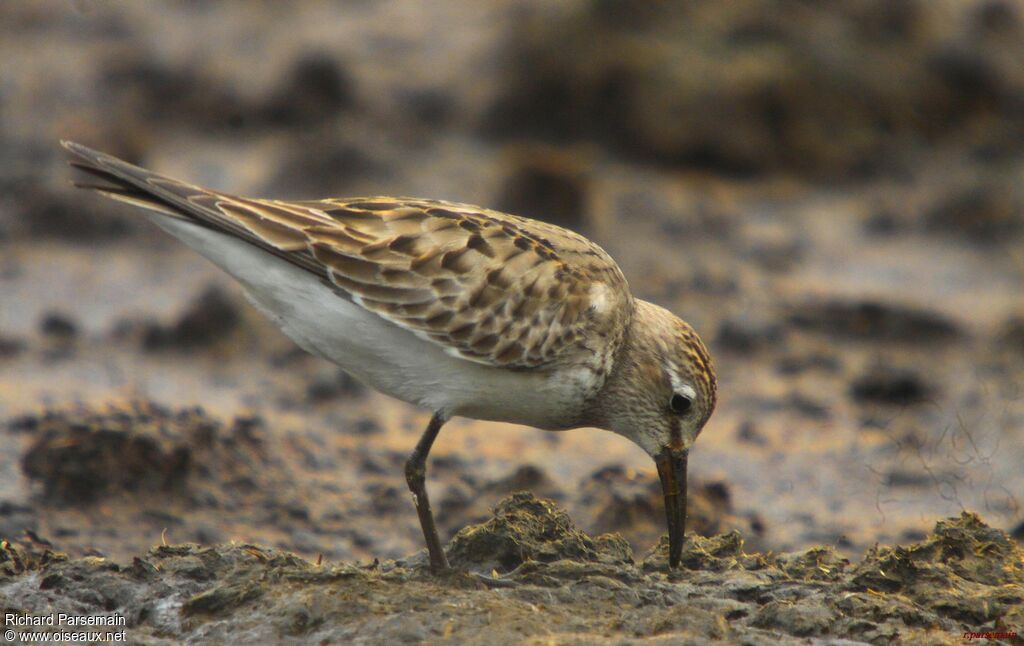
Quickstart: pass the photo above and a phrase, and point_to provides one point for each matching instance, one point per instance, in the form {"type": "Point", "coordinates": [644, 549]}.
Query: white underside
{"type": "Point", "coordinates": [376, 351]}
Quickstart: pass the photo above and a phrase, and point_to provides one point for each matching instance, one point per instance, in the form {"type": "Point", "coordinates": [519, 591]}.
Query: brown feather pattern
{"type": "Point", "coordinates": [487, 286]}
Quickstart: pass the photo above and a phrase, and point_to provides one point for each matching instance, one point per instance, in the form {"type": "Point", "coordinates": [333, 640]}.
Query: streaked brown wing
{"type": "Point", "coordinates": [495, 288]}
{"type": "Point", "coordinates": [490, 287]}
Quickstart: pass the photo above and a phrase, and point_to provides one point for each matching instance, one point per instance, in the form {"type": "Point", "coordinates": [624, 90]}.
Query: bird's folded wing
{"type": "Point", "coordinates": [489, 287]}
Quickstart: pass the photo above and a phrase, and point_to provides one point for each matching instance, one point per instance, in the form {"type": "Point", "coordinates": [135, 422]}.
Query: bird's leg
{"type": "Point", "coordinates": [415, 475]}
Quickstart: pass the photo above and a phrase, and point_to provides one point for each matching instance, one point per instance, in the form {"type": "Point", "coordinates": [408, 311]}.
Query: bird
{"type": "Point", "coordinates": [458, 309]}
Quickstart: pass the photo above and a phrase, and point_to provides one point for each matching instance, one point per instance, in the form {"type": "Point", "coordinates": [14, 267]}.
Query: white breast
{"type": "Point", "coordinates": [379, 353]}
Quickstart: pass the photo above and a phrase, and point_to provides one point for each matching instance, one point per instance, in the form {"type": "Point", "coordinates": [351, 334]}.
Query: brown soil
{"type": "Point", "coordinates": [830, 194]}
{"type": "Point", "coordinates": [528, 573]}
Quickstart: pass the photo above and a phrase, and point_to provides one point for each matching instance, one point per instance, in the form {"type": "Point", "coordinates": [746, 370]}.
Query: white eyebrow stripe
{"type": "Point", "coordinates": [680, 386]}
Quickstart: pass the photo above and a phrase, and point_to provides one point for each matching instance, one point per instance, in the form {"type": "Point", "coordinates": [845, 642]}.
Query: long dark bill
{"type": "Point", "coordinates": [672, 471]}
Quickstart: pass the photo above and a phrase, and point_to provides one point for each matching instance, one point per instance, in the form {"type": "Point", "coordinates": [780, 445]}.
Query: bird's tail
{"type": "Point", "coordinates": [124, 182]}
{"type": "Point", "coordinates": [228, 214]}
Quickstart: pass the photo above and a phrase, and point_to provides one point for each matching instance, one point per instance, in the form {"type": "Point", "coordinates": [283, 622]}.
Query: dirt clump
{"type": "Point", "coordinates": [984, 212]}
{"type": "Point", "coordinates": [15, 558]}
{"type": "Point", "coordinates": [80, 456]}
{"type": "Point", "coordinates": [54, 213]}
{"type": "Point", "coordinates": [547, 578]}
{"type": "Point", "coordinates": [526, 528]}
{"type": "Point", "coordinates": [317, 163]}
{"type": "Point", "coordinates": [10, 347]}
{"type": "Point", "coordinates": [170, 94]}
{"type": "Point", "coordinates": [470, 501]}
{"type": "Point", "coordinates": [964, 571]}
{"type": "Point", "coordinates": [889, 385]}
{"type": "Point", "coordinates": [631, 503]}
{"type": "Point", "coordinates": [546, 184]}
{"type": "Point", "coordinates": [334, 385]}
{"type": "Point", "coordinates": [613, 499]}
{"type": "Point", "coordinates": [747, 334]}
{"type": "Point", "coordinates": [58, 326]}
{"type": "Point", "coordinates": [208, 319]}
{"type": "Point", "coordinates": [871, 320]}
{"type": "Point", "coordinates": [845, 90]}
{"type": "Point", "coordinates": [316, 88]}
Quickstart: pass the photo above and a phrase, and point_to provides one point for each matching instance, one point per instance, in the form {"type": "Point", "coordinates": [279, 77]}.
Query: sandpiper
{"type": "Point", "coordinates": [459, 309]}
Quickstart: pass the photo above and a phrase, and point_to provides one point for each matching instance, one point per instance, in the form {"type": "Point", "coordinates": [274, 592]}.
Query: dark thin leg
{"type": "Point", "coordinates": [416, 475]}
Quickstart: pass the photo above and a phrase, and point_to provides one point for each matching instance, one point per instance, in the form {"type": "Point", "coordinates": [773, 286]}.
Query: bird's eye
{"type": "Point", "coordinates": [680, 403]}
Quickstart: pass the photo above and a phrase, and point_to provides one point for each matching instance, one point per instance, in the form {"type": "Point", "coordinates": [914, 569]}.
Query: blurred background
{"type": "Point", "coordinates": [831, 193]}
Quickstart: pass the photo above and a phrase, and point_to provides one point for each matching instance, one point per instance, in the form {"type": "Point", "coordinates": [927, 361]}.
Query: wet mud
{"type": "Point", "coordinates": [831, 195]}
{"type": "Point", "coordinates": [104, 482]}
{"type": "Point", "coordinates": [528, 573]}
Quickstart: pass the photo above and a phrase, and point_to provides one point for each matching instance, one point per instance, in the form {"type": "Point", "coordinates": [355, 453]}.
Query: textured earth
{"type": "Point", "coordinates": [831, 195]}
{"type": "Point", "coordinates": [529, 575]}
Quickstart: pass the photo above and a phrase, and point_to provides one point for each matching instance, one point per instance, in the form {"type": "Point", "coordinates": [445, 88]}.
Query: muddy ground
{"type": "Point", "coordinates": [529, 575]}
{"type": "Point", "coordinates": [830, 194]}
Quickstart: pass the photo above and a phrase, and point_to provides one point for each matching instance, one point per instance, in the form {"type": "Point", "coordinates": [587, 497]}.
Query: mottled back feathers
{"type": "Point", "coordinates": [486, 286]}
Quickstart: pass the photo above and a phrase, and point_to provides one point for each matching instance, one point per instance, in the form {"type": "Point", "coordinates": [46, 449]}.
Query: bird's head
{"type": "Point", "coordinates": [660, 394]}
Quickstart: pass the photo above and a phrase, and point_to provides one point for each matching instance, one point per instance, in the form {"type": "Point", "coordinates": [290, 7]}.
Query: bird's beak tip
{"type": "Point", "coordinates": [672, 465]}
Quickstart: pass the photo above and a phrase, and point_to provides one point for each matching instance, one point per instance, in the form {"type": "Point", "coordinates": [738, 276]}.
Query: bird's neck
{"type": "Point", "coordinates": [633, 364]}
